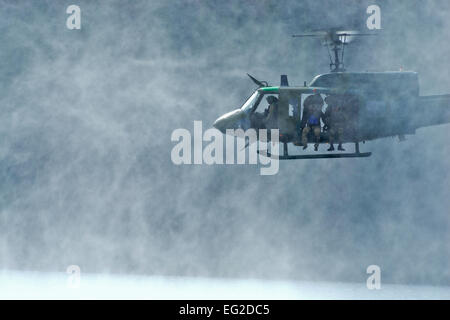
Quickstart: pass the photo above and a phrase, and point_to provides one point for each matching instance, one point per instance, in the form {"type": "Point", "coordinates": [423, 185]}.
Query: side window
{"type": "Point", "coordinates": [264, 105]}
{"type": "Point", "coordinates": [295, 107]}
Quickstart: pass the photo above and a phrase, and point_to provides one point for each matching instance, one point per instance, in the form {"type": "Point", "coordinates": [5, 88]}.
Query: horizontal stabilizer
{"type": "Point", "coordinates": [432, 110]}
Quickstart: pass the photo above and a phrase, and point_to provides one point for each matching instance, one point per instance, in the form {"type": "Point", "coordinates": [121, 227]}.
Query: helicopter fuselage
{"type": "Point", "coordinates": [381, 104]}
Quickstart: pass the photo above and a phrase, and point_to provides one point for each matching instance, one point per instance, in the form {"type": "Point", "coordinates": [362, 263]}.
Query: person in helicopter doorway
{"type": "Point", "coordinates": [335, 120]}
{"type": "Point", "coordinates": [312, 113]}
{"type": "Point", "coordinates": [271, 113]}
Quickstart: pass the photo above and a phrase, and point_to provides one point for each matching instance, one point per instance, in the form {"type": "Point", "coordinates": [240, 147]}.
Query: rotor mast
{"type": "Point", "coordinates": [335, 41]}
{"type": "Point", "coordinates": [337, 63]}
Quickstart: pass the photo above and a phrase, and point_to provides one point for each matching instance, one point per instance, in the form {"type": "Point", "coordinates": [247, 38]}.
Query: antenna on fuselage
{"type": "Point", "coordinates": [260, 84]}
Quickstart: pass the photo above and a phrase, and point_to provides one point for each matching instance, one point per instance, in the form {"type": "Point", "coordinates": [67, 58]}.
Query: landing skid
{"type": "Point", "coordinates": [286, 156]}
{"type": "Point", "coordinates": [318, 156]}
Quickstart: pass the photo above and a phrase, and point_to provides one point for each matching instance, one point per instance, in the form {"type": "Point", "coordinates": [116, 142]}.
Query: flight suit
{"type": "Point", "coordinates": [271, 120]}
{"type": "Point", "coordinates": [335, 119]}
{"type": "Point", "coordinates": [311, 122]}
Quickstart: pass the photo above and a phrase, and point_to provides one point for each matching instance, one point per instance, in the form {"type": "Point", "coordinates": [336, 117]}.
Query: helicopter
{"type": "Point", "coordinates": [378, 104]}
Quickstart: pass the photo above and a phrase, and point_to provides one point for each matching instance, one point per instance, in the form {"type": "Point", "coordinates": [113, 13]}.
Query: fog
{"type": "Point", "coordinates": [86, 176]}
{"type": "Point", "coordinates": [45, 285]}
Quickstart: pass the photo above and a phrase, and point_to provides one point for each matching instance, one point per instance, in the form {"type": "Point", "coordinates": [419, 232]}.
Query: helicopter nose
{"type": "Point", "coordinates": [227, 121]}
{"type": "Point", "coordinates": [220, 124]}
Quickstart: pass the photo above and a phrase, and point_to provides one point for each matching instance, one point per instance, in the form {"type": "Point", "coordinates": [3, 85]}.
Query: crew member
{"type": "Point", "coordinates": [335, 120]}
{"type": "Point", "coordinates": [271, 113]}
{"type": "Point", "coordinates": [312, 113]}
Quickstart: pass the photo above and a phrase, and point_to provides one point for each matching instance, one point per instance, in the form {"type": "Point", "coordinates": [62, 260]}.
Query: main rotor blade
{"type": "Point", "coordinates": [331, 33]}
{"type": "Point", "coordinates": [355, 34]}
{"type": "Point", "coordinates": [303, 35]}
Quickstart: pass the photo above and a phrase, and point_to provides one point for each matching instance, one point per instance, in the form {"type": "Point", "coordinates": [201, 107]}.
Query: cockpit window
{"type": "Point", "coordinates": [252, 102]}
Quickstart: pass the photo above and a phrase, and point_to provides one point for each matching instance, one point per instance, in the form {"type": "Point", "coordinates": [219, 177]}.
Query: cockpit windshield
{"type": "Point", "coordinates": [252, 102]}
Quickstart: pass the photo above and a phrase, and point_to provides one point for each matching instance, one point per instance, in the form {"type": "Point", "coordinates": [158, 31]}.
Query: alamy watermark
{"type": "Point", "coordinates": [374, 280]}
{"type": "Point", "coordinates": [74, 278]}
{"type": "Point", "coordinates": [74, 20]}
{"type": "Point", "coordinates": [374, 20]}
{"type": "Point", "coordinates": [192, 151]}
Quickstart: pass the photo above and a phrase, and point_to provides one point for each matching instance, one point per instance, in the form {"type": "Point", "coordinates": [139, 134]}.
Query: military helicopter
{"type": "Point", "coordinates": [378, 104]}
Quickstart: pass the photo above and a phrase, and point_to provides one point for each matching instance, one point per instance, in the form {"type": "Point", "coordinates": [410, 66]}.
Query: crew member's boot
{"type": "Point", "coordinates": [340, 147]}
{"type": "Point", "coordinates": [305, 138]}
{"type": "Point", "coordinates": [331, 148]}
{"type": "Point", "coordinates": [297, 139]}
{"type": "Point", "coordinates": [316, 147]}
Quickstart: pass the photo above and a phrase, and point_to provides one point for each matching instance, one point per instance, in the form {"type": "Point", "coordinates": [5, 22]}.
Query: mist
{"type": "Point", "coordinates": [86, 176]}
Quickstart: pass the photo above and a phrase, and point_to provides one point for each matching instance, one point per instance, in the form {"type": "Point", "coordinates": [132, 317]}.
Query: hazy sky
{"type": "Point", "coordinates": [86, 118]}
